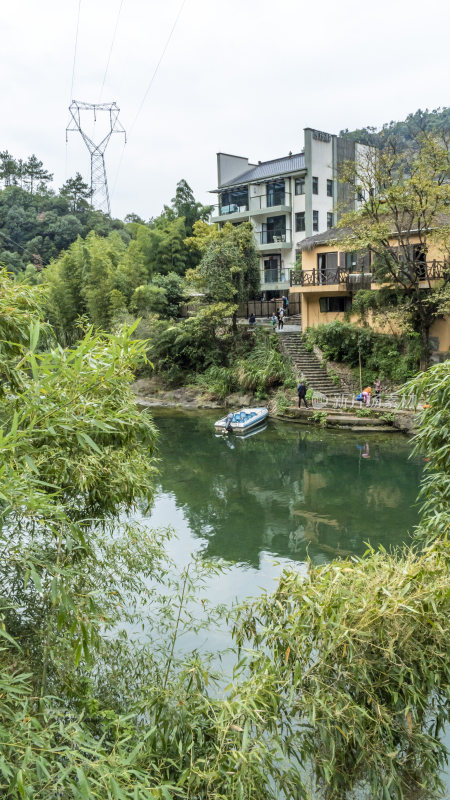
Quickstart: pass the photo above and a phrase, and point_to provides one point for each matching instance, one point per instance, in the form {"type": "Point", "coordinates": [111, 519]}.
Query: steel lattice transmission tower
{"type": "Point", "coordinates": [99, 183]}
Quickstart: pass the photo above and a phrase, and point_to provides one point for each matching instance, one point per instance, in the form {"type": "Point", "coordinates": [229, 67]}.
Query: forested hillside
{"type": "Point", "coordinates": [405, 131]}
{"type": "Point", "coordinates": [37, 223]}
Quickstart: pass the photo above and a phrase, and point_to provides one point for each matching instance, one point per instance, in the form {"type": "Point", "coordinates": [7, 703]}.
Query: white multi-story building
{"type": "Point", "coordinates": [286, 199]}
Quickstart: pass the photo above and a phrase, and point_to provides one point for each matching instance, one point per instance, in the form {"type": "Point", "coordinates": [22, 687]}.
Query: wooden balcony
{"type": "Point", "coordinates": [353, 281]}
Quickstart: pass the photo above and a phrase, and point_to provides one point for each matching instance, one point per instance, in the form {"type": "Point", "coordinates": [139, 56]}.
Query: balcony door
{"type": "Point", "coordinates": [275, 193]}
{"type": "Point", "coordinates": [327, 268]}
{"type": "Point", "coordinates": [274, 230]}
{"type": "Point", "coordinates": [272, 267]}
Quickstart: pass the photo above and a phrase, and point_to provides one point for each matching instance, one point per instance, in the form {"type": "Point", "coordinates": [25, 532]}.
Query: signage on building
{"type": "Point", "coordinates": [321, 136]}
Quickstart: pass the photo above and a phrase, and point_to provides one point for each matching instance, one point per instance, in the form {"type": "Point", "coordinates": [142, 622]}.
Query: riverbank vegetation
{"type": "Point", "coordinates": [107, 283]}
{"type": "Point", "coordinates": [394, 359]}
{"type": "Point", "coordinates": [346, 675]}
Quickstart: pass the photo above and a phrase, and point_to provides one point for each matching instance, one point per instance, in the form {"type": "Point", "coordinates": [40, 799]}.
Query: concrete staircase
{"type": "Point", "coordinates": [306, 365]}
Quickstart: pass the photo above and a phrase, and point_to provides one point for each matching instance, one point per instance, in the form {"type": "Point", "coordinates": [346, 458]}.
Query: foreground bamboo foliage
{"type": "Point", "coordinates": [347, 675]}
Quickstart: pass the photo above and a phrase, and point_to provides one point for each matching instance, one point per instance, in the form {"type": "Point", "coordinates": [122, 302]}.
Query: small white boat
{"type": "Point", "coordinates": [241, 421]}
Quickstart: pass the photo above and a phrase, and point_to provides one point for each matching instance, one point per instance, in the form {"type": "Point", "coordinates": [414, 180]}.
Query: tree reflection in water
{"type": "Point", "coordinates": [288, 491]}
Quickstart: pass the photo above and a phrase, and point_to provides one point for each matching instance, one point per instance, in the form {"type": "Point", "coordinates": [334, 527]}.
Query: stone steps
{"type": "Point", "coordinates": [307, 366]}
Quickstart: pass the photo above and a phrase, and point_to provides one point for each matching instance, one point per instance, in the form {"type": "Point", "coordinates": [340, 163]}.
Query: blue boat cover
{"type": "Point", "coordinates": [241, 416]}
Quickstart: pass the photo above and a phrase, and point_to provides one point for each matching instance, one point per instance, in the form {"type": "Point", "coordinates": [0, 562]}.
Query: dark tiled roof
{"type": "Point", "coordinates": [269, 169]}
{"type": "Point", "coordinates": [337, 234]}
{"type": "Point", "coordinates": [327, 237]}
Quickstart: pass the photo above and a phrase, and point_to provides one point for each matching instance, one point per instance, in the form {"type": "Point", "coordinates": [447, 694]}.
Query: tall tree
{"type": "Point", "coordinates": [8, 168]}
{"type": "Point", "coordinates": [229, 268]}
{"type": "Point", "coordinates": [34, 174]}
{"type": "Point", "coordinates": [405, 211]}
{"type": "Point", "coordinates": [185, 205]}
{"type": "Point", "coordinates": [77, 192]}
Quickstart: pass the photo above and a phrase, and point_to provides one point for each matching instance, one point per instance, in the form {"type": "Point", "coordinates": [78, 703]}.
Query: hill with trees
{"type": "Point", "coordinates": [37, 223]}
{"type": "Point", "coordinates": [405, 131]}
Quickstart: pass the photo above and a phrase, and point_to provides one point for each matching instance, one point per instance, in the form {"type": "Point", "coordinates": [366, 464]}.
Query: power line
{"type": "Point", "coordinates": [75, 50]}
{"type": "Point", "coordinates": [110, 50]}
{"type": "Point", "coordinates": [150, 84]}
{"type": "Point", "coordinates": [25, 249]}
{"type": "Point", "coordinates": [158, 64]}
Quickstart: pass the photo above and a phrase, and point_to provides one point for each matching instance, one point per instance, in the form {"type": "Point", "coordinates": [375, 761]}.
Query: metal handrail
{"type": "Point", "coordinates": [273, 237]}
{"type": "Point", "coordinates": [254, 203]}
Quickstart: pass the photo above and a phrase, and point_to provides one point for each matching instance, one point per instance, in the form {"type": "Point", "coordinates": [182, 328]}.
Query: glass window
{"type": "Point", "coordinates": [339, 304]}
{"type": "Point", "coordinates": [351, 261]}
{"type": "Point", "coordinates": [275, 193]}
{"type": "Point", "coordinates": [272, 269]}
{"type": "Point", "coordinates": [300, 221]}
{"type": "Point", "coordinates": [329, 188]}
{"type": "Point", "coordinates": [329, 219]}
{"type": "Point", "coordinates": [299, 186]}
{"type": "Point", "coordinates": [233, 200]}
{"type": "Point", "coordinates": [315, 220]}
{"type": "Point", "coordinates": [315, 185]}
{"type": "Point", "coordinates": [273, 230]}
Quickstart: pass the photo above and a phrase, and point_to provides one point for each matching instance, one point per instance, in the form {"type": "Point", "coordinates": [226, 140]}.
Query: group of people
{"type": "Point", "coordinates": [365, 395]}
{"type": "Point", "coordinates": [278, 318]}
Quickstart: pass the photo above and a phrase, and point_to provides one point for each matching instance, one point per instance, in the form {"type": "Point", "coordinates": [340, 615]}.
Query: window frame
{"type": "Point", "coordinates": [300, 217]}
{"type": "Point", "coordinates": [329, 187]}
{"type": "Point", "coordinates": [315, 221]}
{"type": "Point", "coordinates": [315, 184]}
{"type": "Point", "coordinates": [345, 301]}
{"type": "Point", "coordinates": [330, 218]}
{"type": "Point", "coordinates": [299, 183]}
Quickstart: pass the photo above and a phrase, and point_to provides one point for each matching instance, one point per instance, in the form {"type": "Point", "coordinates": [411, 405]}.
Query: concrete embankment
{"type": "Point", "coordinates": [377, 422]}
{"type": "Point", "coordinates": [151, 392]}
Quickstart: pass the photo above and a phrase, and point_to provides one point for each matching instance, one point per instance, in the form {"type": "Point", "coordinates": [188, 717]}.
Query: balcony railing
{"type": "Point", "coordinates": [431, 271]}
{"type": "Point", "coordinates": [274, 276]}
{"type": "Point", "coordinates": [255, 203]}
{"type": "Point", "coordinates": [319, 277]}
{"type": "Point", "coordinates": [273, 237]}
{"type": "Point", "coordinates": [233, 208]}
{"type": "Point", "coordinates": [261, 202]}
{"type": "Point", "coordinates": [434, 270]}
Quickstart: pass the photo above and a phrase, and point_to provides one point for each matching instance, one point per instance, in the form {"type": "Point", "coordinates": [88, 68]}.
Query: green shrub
{"type": "Point", "coordinates": [363, 412]}
{"type": "Point", "coordinates": [320, 418]}
{"type": "Point", "coordinates": [264, 366]}
{"type": "Point", "coordinates": [218, 381]}
{"type": "Point", "coordinates": [388, 357]}
{"type": "Point", "coordinates": [282, 402]}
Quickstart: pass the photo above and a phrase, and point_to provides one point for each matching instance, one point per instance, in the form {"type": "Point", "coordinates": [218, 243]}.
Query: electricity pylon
{"type": "Point", "coordinates": [99, 183]}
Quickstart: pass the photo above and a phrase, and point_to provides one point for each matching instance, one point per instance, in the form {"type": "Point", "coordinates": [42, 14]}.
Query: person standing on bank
{"type": "Point", "coordinates": [301, 391]}
{"type": "Point", "coordinates": [377, 389]}
{"type": "Point", "coordinates": [252, 320]}
{"type": "Point", "coordinates": [280, 319]}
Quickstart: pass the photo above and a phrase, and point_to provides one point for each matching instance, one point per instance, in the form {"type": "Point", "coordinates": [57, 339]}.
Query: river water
{"type": "Point", "coordinates": [282, 495]}
{"type": "Point", "coordinates": [278, 498]}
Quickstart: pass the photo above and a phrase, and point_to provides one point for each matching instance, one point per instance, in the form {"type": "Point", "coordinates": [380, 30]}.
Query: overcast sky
{"type": "Point", "coordinates": [241, 76]}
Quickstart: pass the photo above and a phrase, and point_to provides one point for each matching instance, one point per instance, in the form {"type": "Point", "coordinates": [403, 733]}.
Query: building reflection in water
{"type": "Point", "coordinates": [295, 494]}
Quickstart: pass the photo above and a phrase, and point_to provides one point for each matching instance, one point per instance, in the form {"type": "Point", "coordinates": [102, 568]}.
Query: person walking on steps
{"type": "Point", "coordinates": [301, 391]}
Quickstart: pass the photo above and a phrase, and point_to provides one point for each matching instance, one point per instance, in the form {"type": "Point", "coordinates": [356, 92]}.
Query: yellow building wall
{"type": "Point", "coordinates": [440, 330]}
{"type": "Point", "coordinates": [310, 297]}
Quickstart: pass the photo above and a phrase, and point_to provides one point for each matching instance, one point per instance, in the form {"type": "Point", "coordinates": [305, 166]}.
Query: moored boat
{"type": "Point", "coordinates": [242, 420]}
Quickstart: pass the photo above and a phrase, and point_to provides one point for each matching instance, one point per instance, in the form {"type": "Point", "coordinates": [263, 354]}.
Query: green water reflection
{"type": "Point", "coordinates": [288, 491]}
